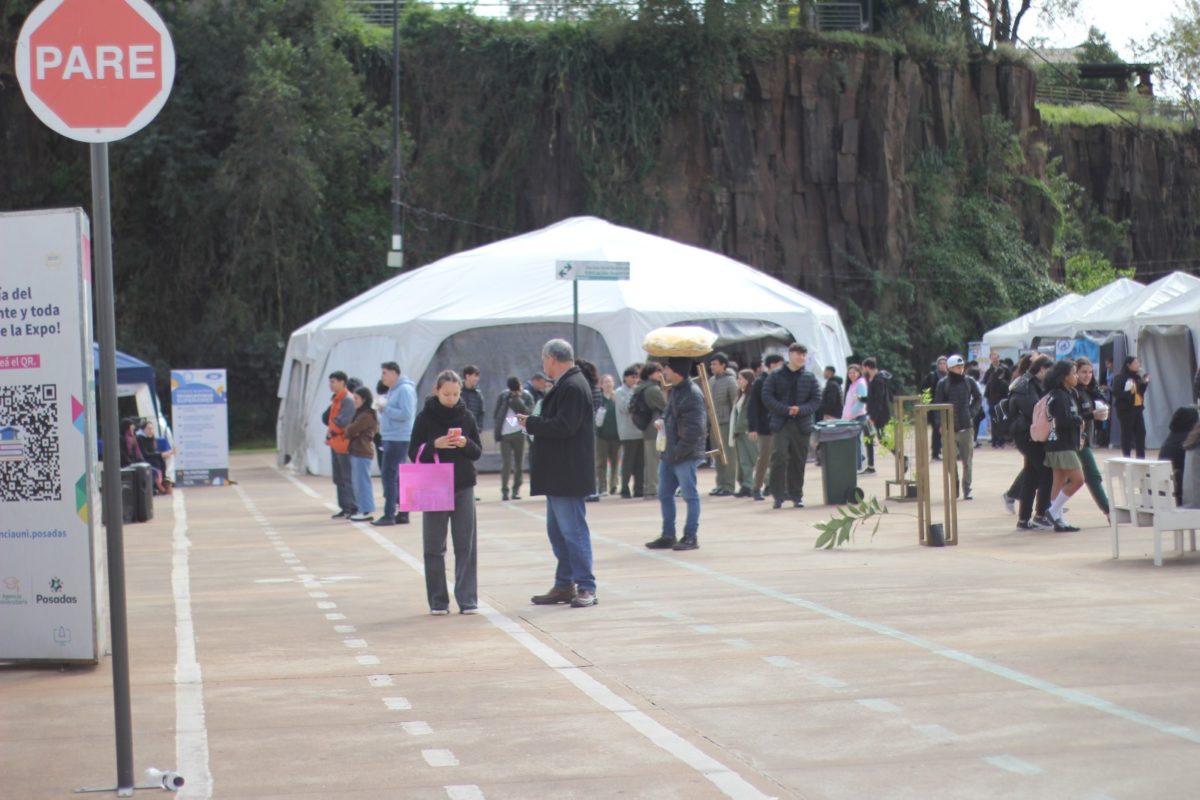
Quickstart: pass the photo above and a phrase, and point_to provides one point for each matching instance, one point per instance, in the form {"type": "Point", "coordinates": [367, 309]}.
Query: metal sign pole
{"type": "Point", "coordinates": [106, 329]}
{"type": "Point", "coordinates": [575, 317]}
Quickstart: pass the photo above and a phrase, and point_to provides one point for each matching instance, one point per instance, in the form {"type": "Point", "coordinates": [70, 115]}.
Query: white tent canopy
{"type": "Point", "coordinates": [1167, 346]}
{"type": "Point", "coordinates": [1016, 332]}
{"type": "Point", "coordinates": [1069, 320]}
{"type": "Point", "coordinates": [495, 305]}
{"type": "Point", "coordinates": [1121, 316]}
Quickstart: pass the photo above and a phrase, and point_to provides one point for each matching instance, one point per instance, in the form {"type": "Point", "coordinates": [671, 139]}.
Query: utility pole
{"type": "Point", "coordinates": [395, 257]}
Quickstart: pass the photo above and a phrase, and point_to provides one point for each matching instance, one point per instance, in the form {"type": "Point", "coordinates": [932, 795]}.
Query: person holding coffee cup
{"type": "Point", "coordinates": [1092, 409]}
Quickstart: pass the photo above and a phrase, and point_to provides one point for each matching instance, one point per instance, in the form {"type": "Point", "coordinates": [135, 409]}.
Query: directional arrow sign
{"type": "Point", "coordinates": [591, 270]}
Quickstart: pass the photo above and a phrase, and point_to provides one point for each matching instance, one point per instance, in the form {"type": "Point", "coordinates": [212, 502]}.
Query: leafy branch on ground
{"type": "Point", "coordinates": [846, 520]}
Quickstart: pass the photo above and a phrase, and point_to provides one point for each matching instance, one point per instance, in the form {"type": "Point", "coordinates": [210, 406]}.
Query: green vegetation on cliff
{"type": "Point", "coordinates": [259, 198]}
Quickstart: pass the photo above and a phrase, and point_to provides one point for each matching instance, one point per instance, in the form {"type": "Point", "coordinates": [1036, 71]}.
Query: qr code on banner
{"type": "Point", "coordinates": [29, 459]}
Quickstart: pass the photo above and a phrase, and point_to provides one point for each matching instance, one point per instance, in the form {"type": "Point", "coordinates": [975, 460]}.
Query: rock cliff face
{"type": "Point", "coordinates": [1149, 177]}
{"type": "Point", "coordinates": [801, 168]}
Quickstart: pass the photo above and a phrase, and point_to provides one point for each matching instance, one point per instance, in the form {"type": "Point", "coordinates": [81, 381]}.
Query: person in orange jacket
{"type": "Point", "coordinates": [338, 417]}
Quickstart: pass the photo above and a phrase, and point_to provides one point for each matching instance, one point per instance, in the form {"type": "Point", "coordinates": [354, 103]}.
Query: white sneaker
{"type": "Point", "coordinates": [360, 518]}
{"type": "Point", "coordinates": [1010, 505]}
{"type": "Point", "coordinates": [439, 612]}
{"type": "Point", "coordinates": [469, 610]}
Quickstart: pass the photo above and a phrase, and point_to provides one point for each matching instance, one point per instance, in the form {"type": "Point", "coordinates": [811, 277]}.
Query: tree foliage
{"type": "Point", "coordinates": [1177, 49]}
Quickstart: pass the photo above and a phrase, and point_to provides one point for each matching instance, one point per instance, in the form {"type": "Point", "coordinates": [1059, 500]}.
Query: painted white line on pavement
{"type": "Point", "coordinates": [468, 792]}
{"type": "Point", "coordinates": [417, 728]}
{"type": "Point", "coordinates": [367, 661]}
{"type": "Point", "coordinates": [326, 604]}
{"type": "Point", "coordinates": [674, 616]}
{"type": "Point", "coordinates": [439, 758]}
{"type": "Point", "coordinates": [781, 661]}
{"type": "Point", "coordinates": [827, 681]}
{"type": "Point", "coordinates": [705, 628]}
{"type": "Point", "coordinates": [936, 732]}
{"type": "Point", "coordinates": [1016, 765]}
{"type": "Point", "coordinates": [730, 783]}
{"type": "Point", "coordinates": [876, 704]}
{"type": "Point", "coordinates": [379, 680]}
{"type": "Point", "coordinates": [344, 629]}
{"type": "Point", "coordinates": [355, 643]}
{"type": "Point", "coordinates": [191, 733]}
{"type": "Point", "coordinates": [318, 595]}
{"type": "Point", "coordinates": [334, 616]}
{"type": "Point", "coordinates": [1064, 693]}
{"type": "Point", "coordinates": [737, 644]}
{"type": "Point", "coordinates": [396, 703]}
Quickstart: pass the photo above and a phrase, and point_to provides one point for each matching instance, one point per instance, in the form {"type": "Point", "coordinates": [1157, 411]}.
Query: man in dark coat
{"type": "Point", "coordinates": [562, 467]}
{"type": "Point", "coordinates": [758, 417]}
{"type": "Point", "coordinates": [961, 392]}
{"type": "Point", "coordinates": [686, 427]}
{"type": "Point", "coordinates": [928, 385]}
{"type": "Point", "coordinates": [793, 397]}
{"type": "Point", "coordinates": [879, 406]}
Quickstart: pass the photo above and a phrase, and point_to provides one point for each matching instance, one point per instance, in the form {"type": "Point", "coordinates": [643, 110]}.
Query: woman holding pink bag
{"type": "Point", "coordinates": [446, 428]}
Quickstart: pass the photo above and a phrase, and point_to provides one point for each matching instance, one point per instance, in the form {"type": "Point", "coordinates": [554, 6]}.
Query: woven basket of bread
{"type": "Point", "coordinates": [690, 341]}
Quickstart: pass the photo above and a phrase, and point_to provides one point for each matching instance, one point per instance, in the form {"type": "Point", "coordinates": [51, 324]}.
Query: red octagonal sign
{"type": "Point", "coordinates": [95, 70]}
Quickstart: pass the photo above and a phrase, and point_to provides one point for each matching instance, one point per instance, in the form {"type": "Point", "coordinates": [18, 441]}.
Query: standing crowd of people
{"type": "Point", "coordinates": [648, 436]}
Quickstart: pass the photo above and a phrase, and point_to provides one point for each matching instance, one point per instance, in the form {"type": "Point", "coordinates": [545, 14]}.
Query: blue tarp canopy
{"type": "Point", "coordinates": [130, 370]}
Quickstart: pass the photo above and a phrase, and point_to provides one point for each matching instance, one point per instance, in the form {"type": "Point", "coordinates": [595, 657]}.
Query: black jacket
{"type": "Point", "coordinates": [686, 423]}
{"type": "Point", "coordinates": [1085, 401]}
{"type": "Point", "coordinates": [962, 393]}
{"type": "Point", "coordinates": [473, 400]}
{"type": "Point", "coordinates": [758, 416]}
{"type": "Point", "coordinates": [879, 407]}
{"type": "Point", "coordinates": [831, 398]}
{"type": "Point", "coordinates": [785, 388]}
{"type": "Point", "coordinates": [563, 453]}
{"type": "Point", "coordinates": [432, 423]}
{"type": "Point", "coordinates": [1122, 399]}
{"type": "Point", "coordinates": [1025, 394]}
{"type": "Point", "coordinates": [995, 384]}
{"type": "Point", "coordinates": [1064, 437]}
{"type": "Point", "coordinates": [507, 401]}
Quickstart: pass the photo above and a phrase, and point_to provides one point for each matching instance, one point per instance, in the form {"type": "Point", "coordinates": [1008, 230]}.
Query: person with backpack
{"type": "Point", "coordinates": [1036, 478]}
{"type": "Point", "coordinates": [645, 407]}
{"type": "Point", "coordinates": [995, 388]}
{"type": "Point", "coordinates": [509, 435]}
{"type": "Point", "coordinates": [961, 392]}
{"type": "Point", "coordinates": [1057, 414]}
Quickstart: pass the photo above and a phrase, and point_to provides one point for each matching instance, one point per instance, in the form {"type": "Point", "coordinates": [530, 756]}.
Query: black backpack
{"type": "Point", "coordinates": [1002, 417]}
{"type": "Point", "coordinates": [640, 412]}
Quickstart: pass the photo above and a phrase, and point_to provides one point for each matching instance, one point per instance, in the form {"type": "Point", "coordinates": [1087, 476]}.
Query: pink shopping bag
{"type": "Point", "coordinates": [426, 487]}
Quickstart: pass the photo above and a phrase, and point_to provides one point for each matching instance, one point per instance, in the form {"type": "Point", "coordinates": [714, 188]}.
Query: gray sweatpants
{"type": "Point", "coordinates": [462, 532]}
{"type": "Point", "coordinates": [342, 480]}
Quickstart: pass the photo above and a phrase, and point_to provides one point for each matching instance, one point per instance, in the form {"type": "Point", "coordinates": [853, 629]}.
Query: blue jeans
{"type": "Point", "coordinates": [360, 477]}
{"type": "Point", "coordinates": [571, 541]}
{"type": "Point", "coordinates": [394, 454]}
{"type": "Point", "coordinates": [683, 477]}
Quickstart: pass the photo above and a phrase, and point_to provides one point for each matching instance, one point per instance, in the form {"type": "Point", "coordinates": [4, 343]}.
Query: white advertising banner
{"type": "Point", "coordinates": [200, 423]}
{"type": "Point", "coordinates": [49, 562]}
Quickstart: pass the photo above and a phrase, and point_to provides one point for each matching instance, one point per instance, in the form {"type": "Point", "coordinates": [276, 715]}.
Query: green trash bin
{"type": "Point", "coordinates": [839, 440]}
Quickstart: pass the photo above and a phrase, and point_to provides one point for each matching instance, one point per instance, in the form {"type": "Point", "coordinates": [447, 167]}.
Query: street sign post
{"type": "Point", "coordinates": [576, 271]}
{"type": "Point", "coordinates": [97, 71]}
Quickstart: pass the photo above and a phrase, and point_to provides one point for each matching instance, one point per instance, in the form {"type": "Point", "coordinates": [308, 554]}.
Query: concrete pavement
{"type": "Point", "coordinates": [1015, 665]}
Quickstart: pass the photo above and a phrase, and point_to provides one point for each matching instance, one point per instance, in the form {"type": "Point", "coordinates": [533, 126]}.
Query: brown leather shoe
{"type": "Point", "coordinates": [559, 594]}
{"type": "Point", "coordinates": [584, 598]}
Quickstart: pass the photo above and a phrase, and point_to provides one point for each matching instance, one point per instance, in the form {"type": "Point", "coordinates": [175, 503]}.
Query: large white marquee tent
{"type": "Point", "coordinates": [496, 305]}
{"type": "Point", "coordinates": [1016, 332]}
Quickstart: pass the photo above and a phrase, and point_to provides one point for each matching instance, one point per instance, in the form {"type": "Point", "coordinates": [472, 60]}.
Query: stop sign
{"type": "Point", "coordinates": [95, 70]}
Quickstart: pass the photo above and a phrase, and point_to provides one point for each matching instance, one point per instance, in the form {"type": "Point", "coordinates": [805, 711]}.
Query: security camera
{"type": "Point", "coordinates": [171, 781]}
